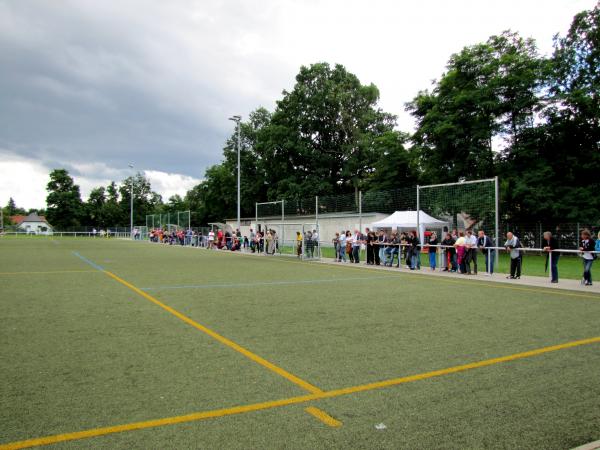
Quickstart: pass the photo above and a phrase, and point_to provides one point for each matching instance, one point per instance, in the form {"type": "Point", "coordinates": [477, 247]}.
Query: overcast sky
{"type": "Point", "coordinates": [92, 86]}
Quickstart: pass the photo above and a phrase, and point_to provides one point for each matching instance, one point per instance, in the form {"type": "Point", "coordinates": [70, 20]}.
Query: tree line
{"type": "Point", "coordinates": [499, 109]}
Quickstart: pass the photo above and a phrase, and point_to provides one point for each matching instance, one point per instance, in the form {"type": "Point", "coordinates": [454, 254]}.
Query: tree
{"type": "Point", "coordinates": [553, 168]}
{"type": "Point", "coordinates": [490, 90]}
{"type": "Point", "coordinates": [320, 139]}
{"type": "Point", "coordinates": [64, 205]}
{"type": "Point", "coordinates": [145, 201]}
{"type": "Point", "coordinates": [95, 208]}
{"type": "Point", "coordinates": [395, 167]}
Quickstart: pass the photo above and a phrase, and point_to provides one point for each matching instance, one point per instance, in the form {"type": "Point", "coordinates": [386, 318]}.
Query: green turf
{"type": "Point", "coordinates": [80, 351]}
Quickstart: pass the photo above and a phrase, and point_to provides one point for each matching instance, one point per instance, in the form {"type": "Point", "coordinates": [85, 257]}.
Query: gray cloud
{"type": "Point", "coordinates": [153, 82]}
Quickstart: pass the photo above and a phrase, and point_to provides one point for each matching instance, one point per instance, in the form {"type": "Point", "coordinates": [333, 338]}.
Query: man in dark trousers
{"type": "Point", "coordinates": [512, 245]}
{"type": "Point", "coordinates": [484, 243]}
{"type": "Point", "coordinates": [550, 244]}
{"type": "Point", "coordinates": [370, 238]}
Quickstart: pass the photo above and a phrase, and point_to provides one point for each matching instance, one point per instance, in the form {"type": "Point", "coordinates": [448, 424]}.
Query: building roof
{"type": "Point", "coordinates": [33, 217]}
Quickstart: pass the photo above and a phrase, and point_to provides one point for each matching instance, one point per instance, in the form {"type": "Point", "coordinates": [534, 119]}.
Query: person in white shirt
{"type": "Point", "coordinates": [211, 238]}
{"type": "Point", "coordinates": [471, 256]}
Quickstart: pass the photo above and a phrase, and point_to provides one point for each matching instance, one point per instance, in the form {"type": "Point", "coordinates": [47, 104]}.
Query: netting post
{"type": "Point", "coordinates": [281, 245]}
{"type": "Point", "coordinates": [360, 211]}
{"type": "Point", "coordinates": [189, 219]}
{"type": "Point", "coordinates": [317, 212]}
{"type": "Point", "coordinates": [418, 213]}
{"type": "Point", "coordinates": [497, 218]}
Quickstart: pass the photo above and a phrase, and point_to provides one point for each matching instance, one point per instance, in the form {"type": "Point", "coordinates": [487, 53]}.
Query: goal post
{"type": "Point", "coordinates": [464, 205]}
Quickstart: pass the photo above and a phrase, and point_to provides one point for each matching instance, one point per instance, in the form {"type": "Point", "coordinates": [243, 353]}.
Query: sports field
{"type": "Point", "coordinates": [119, 344]}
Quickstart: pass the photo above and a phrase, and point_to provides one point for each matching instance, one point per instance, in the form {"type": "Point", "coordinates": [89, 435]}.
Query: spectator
{"type": "Point", "coordinates": [460, 245]}
{"type": "Point", "coordinates": [336, 247]}
{"type": "Point", "coordinates": [449, 253]}
{"type": "Point", "coordinates": [349, 241]}
{"type": "Point", "coordinates": [471, 253]}
{"type": "Point", "coordinates": [549, 245]}
{"type": "Point", "coordinates": [343, 246]}
{"type": "Point", "coordinates": [512, 245]}
{"type": "Point", "coordinates": [393, 249]}
{"type": "Point", "coordinates": [415, 251]}
{"type": "Point", "coordinates": [432, 247]}
{"type": "Point", "coordinates": [356, 243]}
{"type": "Point", "coordinates": [298, 244]}
{"type": "Point", "coordinates": [379, 249]}
{"type": "Point", "coordinates": [486, 246]}
{"type": "Point", "coordinates": [370, 239]}
{"type": "Point", "coordinates": [587, 246]}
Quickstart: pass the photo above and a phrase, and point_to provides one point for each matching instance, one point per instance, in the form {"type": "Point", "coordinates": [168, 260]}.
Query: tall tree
{"type": "Point", "coordinates": [321, 136]}
{"type": "Point", "coordinates": [145, 201]}
{"type": "Point", "coordinates": [64, 205]}
{"type": "Point", "coordinates": [553, 168]}
{"type": "Point", "coordinates": [488, 91]}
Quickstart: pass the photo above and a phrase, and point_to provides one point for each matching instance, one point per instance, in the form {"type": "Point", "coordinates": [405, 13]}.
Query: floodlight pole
{"type": "Point", "coordinates": [419, 212]}
{"type": "Point", "coordinates": [131, 206]}
{"type": "Point", "coordinates": [237, 120]}
{"type": "Point", "coordinates": [497, 224]}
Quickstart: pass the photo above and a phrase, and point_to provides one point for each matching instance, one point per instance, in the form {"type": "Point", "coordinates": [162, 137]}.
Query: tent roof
{"type": "Point", "coordinates": [408, 219]}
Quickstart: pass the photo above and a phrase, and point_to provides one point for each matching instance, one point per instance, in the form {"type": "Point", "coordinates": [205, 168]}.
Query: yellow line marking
{"type": "Point", "coordinates": [323, 417]}
{"type": "Point", "coordinates": [48, 272]}
{"type": "Point", "coordinates": [288, 401]}
{"type": "Point", "coordinates": [229, 343]}
{"type": "Point", "coordinates": [154, 423]}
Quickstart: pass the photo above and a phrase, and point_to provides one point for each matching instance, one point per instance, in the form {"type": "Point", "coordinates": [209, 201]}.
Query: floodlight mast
{"type": "Point", "coordinates": [237, 119]}
{"type": "Point", "coordinates": [131, 236]}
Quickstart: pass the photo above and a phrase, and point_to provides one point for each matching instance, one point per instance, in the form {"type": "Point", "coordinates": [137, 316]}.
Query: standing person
{"type": "Point", "coordinates": [343, 246]}
{"type": "Point", "coordinates": [587, 245]}
{"type": "Point", "coordinates": [549, 245]}
{"type": "Point", "coordinates": [471, 252]}
{"type": "Point", "coordinates": [460, 245]}
{"type": "Point", "coordinates": [211, 239]}
{"type": "Point", "coordinates": [336, 246]}
{"type": "Point", "coordinates": [299, 244]}
{"type": "Point", "coordinates": [349, 245]}
{"type": "Point", "coordinates": [512, 245]}
{"type": "Point", "coordinates": [356, 243]}
{"type": "Point", "coordinates": [252, 240]}
{"type": "Point", "coordinates": [485, 243]}
{"type": "Point", "coordinates": [370, 250]}
{"type": "Point", "coordinates": [315, 242]}
{"type": "Point", "coordinates": [432, 247]}
{"type": "Point", "coordinates": [379, 250]}
{"type": "Point", "coordinates": [308, 244]}
{"type": "Point", "coordinates": [415, 251]}
{"type": "Point", "coordinates": [450, 253]}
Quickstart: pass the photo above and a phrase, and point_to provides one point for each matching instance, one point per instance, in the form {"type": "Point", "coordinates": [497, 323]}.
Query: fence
{"type": "Point", "coordinates": [177, 220]}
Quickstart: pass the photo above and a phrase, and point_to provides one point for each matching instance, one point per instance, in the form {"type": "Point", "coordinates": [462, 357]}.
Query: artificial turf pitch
{"type": "Point", "coordinates": [97, 334]}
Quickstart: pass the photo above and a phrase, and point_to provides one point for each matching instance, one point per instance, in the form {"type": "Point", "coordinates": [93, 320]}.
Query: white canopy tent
{"type": "Point", "coordinates": [408, 220]}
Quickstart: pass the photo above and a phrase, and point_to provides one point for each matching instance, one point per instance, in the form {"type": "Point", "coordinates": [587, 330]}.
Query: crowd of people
{"type": "Point", "coordinates": [456, 251]}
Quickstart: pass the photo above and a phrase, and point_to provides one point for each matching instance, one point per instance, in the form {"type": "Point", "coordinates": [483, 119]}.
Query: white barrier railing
{"type": "Point", "coordinates": [113, 234]}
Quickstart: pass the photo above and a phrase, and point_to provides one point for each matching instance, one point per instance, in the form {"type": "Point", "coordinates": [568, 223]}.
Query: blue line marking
{"type": "Point", "coordinates": [263, 283]}
{"type": "Point", "coordinates": [87, 261]}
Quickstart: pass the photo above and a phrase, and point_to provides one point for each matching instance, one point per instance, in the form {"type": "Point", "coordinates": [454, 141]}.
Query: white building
{"type": "Point", "coordinates": [329, 224]}
{"type": "Point", "coordinates": [32, 224]}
